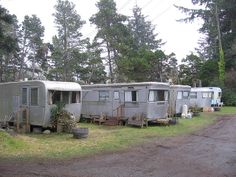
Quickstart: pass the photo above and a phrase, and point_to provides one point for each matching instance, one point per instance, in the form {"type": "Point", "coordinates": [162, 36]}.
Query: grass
{"type": "Point", "coordinates": [100, 139]}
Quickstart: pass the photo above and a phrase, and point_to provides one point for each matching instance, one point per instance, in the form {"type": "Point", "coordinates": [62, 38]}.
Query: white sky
{"type": "Point", "coordinates": [180, 38]}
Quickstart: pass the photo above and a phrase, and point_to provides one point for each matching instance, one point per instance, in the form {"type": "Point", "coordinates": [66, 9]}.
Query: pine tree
{"type": "Point", "coordinates": [69, 39]}
{"type": "Point", "coordinates": [143, 31]}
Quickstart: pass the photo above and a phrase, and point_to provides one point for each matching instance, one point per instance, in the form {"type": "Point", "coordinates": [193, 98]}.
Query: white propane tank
{"type": "Point", "coordinates": [185, 111]}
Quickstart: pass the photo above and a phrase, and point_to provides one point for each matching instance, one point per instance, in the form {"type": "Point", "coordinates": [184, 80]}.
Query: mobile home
{"type": "Point", "coordinates": [36, 98]}
{"type": "Point", "coordinates": [205, 97]}
{"type": "Point", "coordinates": [179, 96]}
{"type": "Point", "coordinates": [147, 98]}
{"type": "Point", "coordinates": [216, 97]}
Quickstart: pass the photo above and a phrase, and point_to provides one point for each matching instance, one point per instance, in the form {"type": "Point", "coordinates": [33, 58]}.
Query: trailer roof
{"type": "Point", "coordinates": [51, 85]}
{"type": "Point", "coordinates": [205, 89]}
{"type": "Point", "coordinates": [62, 86]}
{"type": "Point", "coordinates": [127, 84]}
{"type": "Point", "coordinates": [180, 86]}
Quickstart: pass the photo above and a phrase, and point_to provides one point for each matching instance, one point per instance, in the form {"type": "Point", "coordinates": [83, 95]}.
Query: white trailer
{"type": "Point", "coordinates": [205, 97]}
{"type": "Point", "coordinates": [216, 97]}
{"type": "Point", "coordinates": [147, 98]}
{"type": "Point", "coordinates": [34, 100]}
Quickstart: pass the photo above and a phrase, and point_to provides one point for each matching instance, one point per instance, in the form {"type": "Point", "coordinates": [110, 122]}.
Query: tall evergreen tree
{"type": "Point", "coordinates": [8, 46]}
{"type": "Point", "coordinates": [190, 70]}
{"type": "Point", "coordinates": [30, 41]}
{"type": "Point", "coordinates": [219, 25]}
{"type": "Point", "coordinates": [143, 31]}
{"type": "Point", "coordinates": [112, 36]}
{"type": "Point", "coordinates": [69, 39]}
{"type": "Point", "coordinates": [93, 70]}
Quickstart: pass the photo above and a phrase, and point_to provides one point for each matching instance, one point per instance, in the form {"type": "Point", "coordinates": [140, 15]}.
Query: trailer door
{"type": "Point", "coordinates": [25, 105]}
{"type": "Point", "coordinates": [31, 112]}
{"type": "Point", "coordinates": [116, 104]}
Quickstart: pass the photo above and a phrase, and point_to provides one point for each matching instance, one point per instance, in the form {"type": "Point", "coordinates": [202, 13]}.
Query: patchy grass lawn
{"type": "Point", "coordinates": [100, 139]}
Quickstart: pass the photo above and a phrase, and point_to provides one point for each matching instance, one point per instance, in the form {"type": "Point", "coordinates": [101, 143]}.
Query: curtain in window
{"type": "Point", "coordinates": [151, 95]}
{"type": "Point", "coordinates": [128, 96]}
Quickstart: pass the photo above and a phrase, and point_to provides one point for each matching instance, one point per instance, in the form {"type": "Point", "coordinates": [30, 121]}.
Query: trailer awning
{"type": "Point", "coordinates": [62, 86]}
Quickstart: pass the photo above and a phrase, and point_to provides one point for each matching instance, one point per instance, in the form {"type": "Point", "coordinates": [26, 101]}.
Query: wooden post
{"type": "Point", "coordinates": [17, 122]}
{"type": "Point", "coordinates": [27, 121]}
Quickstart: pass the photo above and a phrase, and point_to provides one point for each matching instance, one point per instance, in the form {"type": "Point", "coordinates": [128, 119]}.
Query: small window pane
{"type": "Point", "coordinates": [158, 95]}
{"type": "Point", "coordinates": [75, 97]}
{"type": "Point", "coordinates": [152, 95]}
{"type": "Point", "coordinates": [65, 97]}
{"type": "Point", "coordinates": [179, 95]}
{"type": "Point", "coordinates": [134, 96]}
{"type": "Point", "coordinates": [166, 95]}
{"type": "Point", "coordinates": [193, 95]}
{"type": "Point", "coordinates": [103, 95]}
{"type": "Point", "coordinates": [128, 96]}
{"type": "Point", "coordinates": [34, 96]}
{"type": "Point", "coordinates": [116, 95]}
{"type": "Point", "coordinates": [206, 95]}
{"type": "Point", "coordinates": [185, 95]}
{"type": "Point", "coordinates": [50, 93]}
{"type": "Point", "coordinates": [24, 96]}
{"type": "Point", "coordinates": [56, 97]}
{"type": "Point", "coordinates": [131, 96]}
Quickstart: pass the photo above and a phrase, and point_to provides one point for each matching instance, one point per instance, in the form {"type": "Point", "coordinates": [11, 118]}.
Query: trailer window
{"type": "Point", "coordinates": [158, 95]}
{"type": "Point", "coordinates": [56, 97]}
{"type": "Point", "coordinates": [131, 96]}
{"type": "Point", "coordinates": [185, 95]}
{"type": "Point", "coordinates": [65, 97]}
{"type": "Point", "coordinates": [116, 95]}
{"type": "Point", "coordinates": [34, 96]}
{"type": "Point", "coordinates": [103, 95]}
{"type": "Point", "coordinates": [193, 95]}
{"type": "Point", "coordinates": [24, 96]}
{"type": "Point", "coordinates": [75, 97]}
{"type": "Point", "coordinates": [179, 95]}
{"type": "Point", "coordinates": [206, 94]}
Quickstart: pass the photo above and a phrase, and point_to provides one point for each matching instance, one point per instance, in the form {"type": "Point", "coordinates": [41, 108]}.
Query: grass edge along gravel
{"type": "Point", "coordinates": [101, 139]}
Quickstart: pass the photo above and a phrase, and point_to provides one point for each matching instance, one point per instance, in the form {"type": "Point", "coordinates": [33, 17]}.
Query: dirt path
{"type": "Point", "coordinates": [208, 153]}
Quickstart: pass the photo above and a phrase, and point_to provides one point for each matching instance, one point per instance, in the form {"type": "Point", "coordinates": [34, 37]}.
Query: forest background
{"type": "Point", "coordinates": [124, 49]}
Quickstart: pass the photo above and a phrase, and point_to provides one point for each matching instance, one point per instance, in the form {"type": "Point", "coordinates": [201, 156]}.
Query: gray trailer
{"type": "Point", "coordinates": [33, 100]}
{"type": "Point", "coordinates": [201, 97]}
{"type": "Point", "coordinates": [126, 100]}
{"type": "Point", "coordinates": [179, 96]}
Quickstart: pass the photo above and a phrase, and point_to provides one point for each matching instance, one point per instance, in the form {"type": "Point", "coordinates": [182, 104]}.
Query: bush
{"type": "Point", "coordinates": [55, 111]}
{"type": "Point", "coordinates": [229, 97]}
{"type": "Point", "coordinates": [66, 120]}
{"type": "Point", "coordinates": [61, 118]}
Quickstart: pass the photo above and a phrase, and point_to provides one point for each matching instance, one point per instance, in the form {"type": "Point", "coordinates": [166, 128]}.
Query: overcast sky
{"type": "Point", "coordinates": [180, 38]}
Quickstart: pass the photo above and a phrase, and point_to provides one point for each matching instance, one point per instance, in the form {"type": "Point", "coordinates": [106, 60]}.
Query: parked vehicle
{"type": "Point", "coordinates": [33, 100]}
{"type": "Point", "coordinates": [205, 97]}
{"type": "Point", "coordinates": [179, 96]}
{"type": "Point", "coordinates": [126, 100]}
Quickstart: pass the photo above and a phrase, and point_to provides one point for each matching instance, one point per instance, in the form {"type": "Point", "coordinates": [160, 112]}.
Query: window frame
{"type": "Point", "coordinates": [191, 95]}
{"type": "Point", "coordinates": [104, 97]}
{"type": "Point", "coordinates": [26, 98]}
{"type": "Point", "coordinates": [156, 97]}
{"type": "Point", "coordinates": [184, 96]}
{"type": "Point", "coordinates": [131, 95]}
{"type": "Point", "coordinates": [116, 95]}
{"type": "Point", "coordinates": [37, 97]}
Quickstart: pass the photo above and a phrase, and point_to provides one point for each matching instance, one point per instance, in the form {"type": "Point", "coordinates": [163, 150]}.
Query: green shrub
{"type": "Point", "coordinates": [229, 97]}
